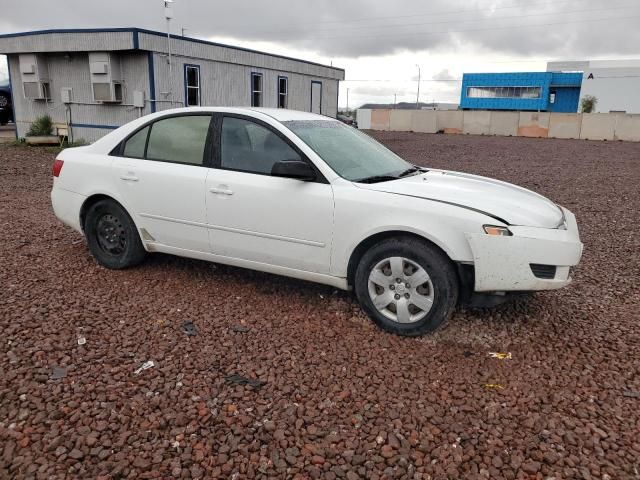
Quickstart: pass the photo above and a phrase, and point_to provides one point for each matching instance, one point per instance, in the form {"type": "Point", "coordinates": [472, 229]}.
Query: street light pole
{"type": "Point", "coordinates": [418, 94]}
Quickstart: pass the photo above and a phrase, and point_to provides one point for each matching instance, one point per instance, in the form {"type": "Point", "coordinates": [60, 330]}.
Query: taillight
{"type": "Point", "coordinates": [57, 167]}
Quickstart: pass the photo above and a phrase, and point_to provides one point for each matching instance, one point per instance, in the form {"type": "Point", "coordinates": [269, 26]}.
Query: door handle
{"type": "Point", "coordinates": [129, 178]}
{"type": "Point", "coordinates": [221, 191]}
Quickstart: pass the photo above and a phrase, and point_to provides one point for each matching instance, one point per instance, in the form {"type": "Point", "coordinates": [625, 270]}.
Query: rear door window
{"type": "Point", "coordinates": [179, 139]}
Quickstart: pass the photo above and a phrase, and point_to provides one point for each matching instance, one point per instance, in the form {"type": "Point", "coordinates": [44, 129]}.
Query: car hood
{"type": "Point", "coordinates": [501, 200]}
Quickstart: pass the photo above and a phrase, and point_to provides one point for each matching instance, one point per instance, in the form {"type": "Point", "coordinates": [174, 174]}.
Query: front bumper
{"type": "Point", "coordinates": [504, 263]}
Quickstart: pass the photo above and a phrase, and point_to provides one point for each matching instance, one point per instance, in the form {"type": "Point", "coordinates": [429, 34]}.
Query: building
{"type": "Point", "coordinates": [92, 81]}
{"type": "Point", "coordinates": [614, 83]}
{"type": "Point", "coordinates": [534, 91]}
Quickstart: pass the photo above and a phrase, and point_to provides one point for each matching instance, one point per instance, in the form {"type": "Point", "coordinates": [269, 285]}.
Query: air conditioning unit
{"type": "Point", "coordinates": [35, 76]}
{"type": "Point", "coordinates": [37, 90]}
{"type": "Point", "coordinates": [106, 77]}
{"type": "Point", "coordinates": [107, 92]}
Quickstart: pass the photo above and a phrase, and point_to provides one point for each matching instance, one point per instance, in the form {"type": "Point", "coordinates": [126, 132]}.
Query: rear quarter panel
{"type": "Point", "coordinates": [86, 173]}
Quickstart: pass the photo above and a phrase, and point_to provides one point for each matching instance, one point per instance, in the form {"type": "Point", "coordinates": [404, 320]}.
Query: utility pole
{"type": "Point", "coordinates": [418, 94]}
{"type": "Point", "coordinates": [347, 101]}
{"type": "Point", "coordinates": [168, 14]}
{"type": "Point", "coordinates": [183, 30]}
{"type": "Point", "coordinates": [395, 96]}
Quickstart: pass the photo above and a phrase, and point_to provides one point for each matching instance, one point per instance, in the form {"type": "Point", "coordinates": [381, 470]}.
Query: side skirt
{"type": "Point", "coordinates": [337, 282]}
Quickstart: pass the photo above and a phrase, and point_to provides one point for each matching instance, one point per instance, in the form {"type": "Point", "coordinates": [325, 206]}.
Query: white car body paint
{"type": "Point", "coordinates": [310, 230]}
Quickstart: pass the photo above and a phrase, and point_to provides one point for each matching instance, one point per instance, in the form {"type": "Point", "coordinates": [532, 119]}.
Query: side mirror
{"type": "Point", "coordinates": [293, 169]}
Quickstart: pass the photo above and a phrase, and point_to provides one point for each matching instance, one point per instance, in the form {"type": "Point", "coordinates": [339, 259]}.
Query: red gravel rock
{"type": "Point", "coordinates": [342, 399]}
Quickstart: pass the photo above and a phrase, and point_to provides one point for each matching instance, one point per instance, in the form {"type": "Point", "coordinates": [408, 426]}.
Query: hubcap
{"type": "Point", "coordinates": [111, 235]}
{"type": "Point", "coordinates": [401, 290]}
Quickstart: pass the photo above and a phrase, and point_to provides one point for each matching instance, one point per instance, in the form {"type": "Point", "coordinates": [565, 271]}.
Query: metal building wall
{"type": "Point", "coordinates": [227, 84]}
{"type": "Point", "coordinates": [225, 76]}
{"type": "Point", "coordinates": [60, 41]}
{"type": "Point", "coordinates": [226, 54]}
{"type": "Point", "coordinates": [566, 86]}
{"type": "Point", "coordinates": [90, 120]}
{"type": "Point", "coordinates": [529, 79]}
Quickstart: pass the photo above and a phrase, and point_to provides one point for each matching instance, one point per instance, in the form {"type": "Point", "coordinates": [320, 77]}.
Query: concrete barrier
{"type": "Point", "coordinates": [628, 128]}
{"type": "Point", "coordinates": [380, 119]}
{"type": "Point", "coordinates": [504, 123]}
{"type": "Point", "coordinates": [449, 121]}
{"type": "Point", "coordinates": [424, 121]}
{"type": "Point", "coordinates": [598, 126]}
{"type": "Point", "coordinates": [364, 118]}
{"type": "Point", "coordinates": [400, 120]}
{"type": "Point", "coordinates": [591, 126]}
{"type": "Point", "coordinates": [533, 124]}
{"type": "Point", "coordinates": [476, 122]}
{"type": "Point", "coordinates": [565, 125]}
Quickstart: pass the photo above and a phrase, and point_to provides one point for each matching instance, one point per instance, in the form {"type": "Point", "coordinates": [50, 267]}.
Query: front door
{"type": "Point", "coordinates": [161, 173]}
{"type": "Point", "coordinates": [254, 216]}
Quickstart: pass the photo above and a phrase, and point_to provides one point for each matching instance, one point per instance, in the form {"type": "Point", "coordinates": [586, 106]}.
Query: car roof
{"type": "Point", "coordinates": [279, 114]}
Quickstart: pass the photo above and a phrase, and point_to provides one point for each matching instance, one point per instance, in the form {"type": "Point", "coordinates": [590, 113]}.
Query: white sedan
{"type": "Point", "coordinates": [306, 196]}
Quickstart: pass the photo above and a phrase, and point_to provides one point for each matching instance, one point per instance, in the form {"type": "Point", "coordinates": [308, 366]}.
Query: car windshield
{"type": "Point", "coordinates": [352, 154]}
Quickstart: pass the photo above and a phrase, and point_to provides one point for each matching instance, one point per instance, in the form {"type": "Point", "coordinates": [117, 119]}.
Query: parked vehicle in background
{"type": "Point", "coordinates": [6, 108]}
{"type": "Point", "coordinates": [306, 196]}
{"type": "Point", "coordinates": [347, 120]}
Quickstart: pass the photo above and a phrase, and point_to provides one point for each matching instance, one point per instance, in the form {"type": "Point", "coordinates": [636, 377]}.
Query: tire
{"type": "Point", "coordinates": [5, 105]}
{"type": "Point", "coordinates": [435, 287]}
{"type": "Point", "coordinates": [112, 236]}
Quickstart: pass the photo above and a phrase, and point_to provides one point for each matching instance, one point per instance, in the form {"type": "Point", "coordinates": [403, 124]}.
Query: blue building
{"type": "Point", "coordinates": [534, 91]}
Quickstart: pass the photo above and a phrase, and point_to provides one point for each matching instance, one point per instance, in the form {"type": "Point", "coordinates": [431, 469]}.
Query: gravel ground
{"type": "Point", "coordinates": [341, 399]}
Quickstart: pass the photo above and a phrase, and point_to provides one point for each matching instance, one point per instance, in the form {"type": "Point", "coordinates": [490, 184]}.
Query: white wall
{"type": "Point", "coordinates": [617, 89]}
{"type": "Point", "coordinates": [615, 83]}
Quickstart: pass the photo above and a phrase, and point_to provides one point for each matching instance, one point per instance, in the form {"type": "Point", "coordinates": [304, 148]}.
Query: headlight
{"type": "Point", "coordinates": [500, 231]}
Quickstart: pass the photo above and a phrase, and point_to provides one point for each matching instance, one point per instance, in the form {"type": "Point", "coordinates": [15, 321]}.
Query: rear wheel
{"type": "Point", "coordinates": [407, 286]}
{"type": "Point", "coordinates": [112, 236]}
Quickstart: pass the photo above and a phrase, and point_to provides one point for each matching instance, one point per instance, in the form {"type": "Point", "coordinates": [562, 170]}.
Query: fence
{"type": "Point", "coordinates": [585, 126]}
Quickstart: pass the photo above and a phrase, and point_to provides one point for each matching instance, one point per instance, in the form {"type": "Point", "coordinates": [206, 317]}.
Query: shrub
{"type": "Point", "coordinates": [588, 103]}
{"type": "Point", "coordinates": [42, 127]}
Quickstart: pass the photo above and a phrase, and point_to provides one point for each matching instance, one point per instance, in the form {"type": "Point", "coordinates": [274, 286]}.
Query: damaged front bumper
{"type": "Point", "coordinates": [525, 261]}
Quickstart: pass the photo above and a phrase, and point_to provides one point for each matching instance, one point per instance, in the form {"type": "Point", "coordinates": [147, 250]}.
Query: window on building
{"type": "Point", "coordinates": [256, 89]}
{"type": "Point", "coordinates": [249, 147]}
{"type": "Point", "coordinates": [503, 92]}
{"type": "Point", "coordinates": [178, 139]}
{"type": "Point", "coordinates": [192, 85]}
{"type": "Point", "coordinates": [283, 92]}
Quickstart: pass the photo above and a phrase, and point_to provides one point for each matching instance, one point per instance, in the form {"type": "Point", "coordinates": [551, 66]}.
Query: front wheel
{"type": "Point", "coordinates": [406, 286]}
{"type": "Point", "coordinates": [112, 236]}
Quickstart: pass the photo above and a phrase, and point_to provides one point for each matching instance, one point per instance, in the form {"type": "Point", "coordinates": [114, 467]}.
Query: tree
{"type": "Point", "coordinates": [588, 103]}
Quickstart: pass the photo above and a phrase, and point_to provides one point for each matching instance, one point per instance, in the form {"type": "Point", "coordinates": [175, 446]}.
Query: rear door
{"type": "Point", "coordinates": [161, 172]}
{"type": "Point", "coordinates": [316, 97]}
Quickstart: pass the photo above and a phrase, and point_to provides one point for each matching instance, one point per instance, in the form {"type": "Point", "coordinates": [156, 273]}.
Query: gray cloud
{"type": "Point", "coordinates": [368, 27]}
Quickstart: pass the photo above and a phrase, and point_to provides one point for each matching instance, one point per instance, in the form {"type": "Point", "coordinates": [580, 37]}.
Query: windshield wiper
{"type": "Point", "coordinates": [409, 171]}
{"type": "Point", "coordinates": [376, 179]}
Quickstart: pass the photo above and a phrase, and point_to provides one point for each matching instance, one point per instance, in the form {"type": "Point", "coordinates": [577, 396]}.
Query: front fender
{"type": "Point", "coordinates": [360, 214]}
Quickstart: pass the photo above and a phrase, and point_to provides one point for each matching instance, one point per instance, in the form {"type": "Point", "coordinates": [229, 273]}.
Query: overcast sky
{"type": "Point", "coordinates": [378, 43]}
